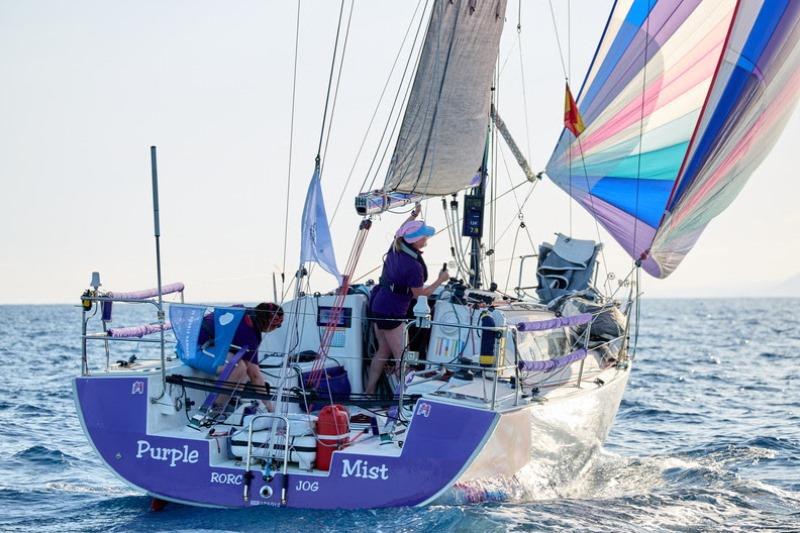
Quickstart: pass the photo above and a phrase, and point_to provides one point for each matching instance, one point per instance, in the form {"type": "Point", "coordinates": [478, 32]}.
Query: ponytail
{"type": "Point", "coordinates": [396, 245]}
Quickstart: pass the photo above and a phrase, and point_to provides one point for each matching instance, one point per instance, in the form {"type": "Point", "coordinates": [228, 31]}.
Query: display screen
{"type": "Point", "coordinates": [473, 217]}
{"type": "Point", "coordinates": [326, 317]}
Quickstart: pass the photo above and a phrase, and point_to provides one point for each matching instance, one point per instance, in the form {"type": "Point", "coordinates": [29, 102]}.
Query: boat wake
{"type": "Point", "coordinates": [708, 477]}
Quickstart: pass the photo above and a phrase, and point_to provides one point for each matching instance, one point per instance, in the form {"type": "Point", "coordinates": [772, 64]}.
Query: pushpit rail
{"type": "Point", "coordinates": [93, 301]}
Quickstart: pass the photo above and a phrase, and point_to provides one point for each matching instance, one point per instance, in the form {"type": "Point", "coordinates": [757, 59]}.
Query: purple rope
{"type": "Point", "coordinates": [553, 364]}
{"type": "Point", "coordinates": [137, 331]}
{"type": "Point", "coordinates": [147, 293]}
{"type": "Point", "coordinates": [553, 323]}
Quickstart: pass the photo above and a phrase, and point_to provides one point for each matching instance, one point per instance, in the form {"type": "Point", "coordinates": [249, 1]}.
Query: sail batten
{"type": "Point", "coordinates": [670, 141]}
{"type": "Point", "coordinates": [440, 145]}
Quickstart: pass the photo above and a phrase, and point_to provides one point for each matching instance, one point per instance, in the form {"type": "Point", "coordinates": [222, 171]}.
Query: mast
{"type": "Point", "coordinates": [474, 207]}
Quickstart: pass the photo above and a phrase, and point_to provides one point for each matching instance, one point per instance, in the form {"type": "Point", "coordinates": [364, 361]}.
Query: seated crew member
{"type": "Point", "coordinates": [264, 318]}
{"type": "Point", "coordinates": [403, 279]}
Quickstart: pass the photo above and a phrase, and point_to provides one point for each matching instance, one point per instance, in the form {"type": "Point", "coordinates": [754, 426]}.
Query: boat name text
{"type": "Point", "coordinates": [173, 455]}
{"type": "Point", "coordinates": [361, 468]}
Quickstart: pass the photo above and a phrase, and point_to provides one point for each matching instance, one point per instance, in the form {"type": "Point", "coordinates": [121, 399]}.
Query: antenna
{"type": "Point", "coordinates": [157, 227]}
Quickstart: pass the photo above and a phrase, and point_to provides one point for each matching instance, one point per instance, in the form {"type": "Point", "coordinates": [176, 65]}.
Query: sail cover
{"type": "Point", "coordinates": [682, 101]}
{"type": "Point", "coordinates": [440, 145]}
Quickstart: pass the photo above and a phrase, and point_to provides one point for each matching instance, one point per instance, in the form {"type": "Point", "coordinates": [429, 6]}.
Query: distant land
{"type": "Point", "coordinates": [789, 288]}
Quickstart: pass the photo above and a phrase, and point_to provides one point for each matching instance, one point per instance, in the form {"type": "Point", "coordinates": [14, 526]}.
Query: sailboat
{"type": "Point", "coordinates": [682, 101]}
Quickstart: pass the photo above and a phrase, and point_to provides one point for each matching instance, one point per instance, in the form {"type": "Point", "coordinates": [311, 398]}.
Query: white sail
{"type": "Point", "coordinates": [440, 145]}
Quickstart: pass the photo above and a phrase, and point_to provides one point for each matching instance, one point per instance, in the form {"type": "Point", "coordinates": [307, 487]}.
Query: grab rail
{"type": "Point", "coordinates": [147, 293]}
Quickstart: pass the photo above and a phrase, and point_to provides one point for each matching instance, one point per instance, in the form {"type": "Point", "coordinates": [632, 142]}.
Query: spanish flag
{"type": "Point", "coordinates": [572, 117]}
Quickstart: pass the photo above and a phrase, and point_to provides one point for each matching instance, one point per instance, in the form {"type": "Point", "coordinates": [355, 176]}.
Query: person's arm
{"type": "Point", "coordinates": [444, 276]}
{"type": "Point", "coordinates": [414, 212]}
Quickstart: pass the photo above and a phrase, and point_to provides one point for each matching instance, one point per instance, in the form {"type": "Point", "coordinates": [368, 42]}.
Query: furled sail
{"type": "Point", "coordinates": [682, 102]}
{"type": "Point", "coordinates": [440, 145]}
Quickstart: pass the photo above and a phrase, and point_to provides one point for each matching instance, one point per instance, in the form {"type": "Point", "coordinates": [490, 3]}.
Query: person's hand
{"type": "Point", "coordinates": [444, 276]}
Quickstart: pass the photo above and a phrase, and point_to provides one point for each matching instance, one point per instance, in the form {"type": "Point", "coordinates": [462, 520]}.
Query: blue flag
{"type": "Point", "coordinates": [317, 246]}
{"type": "Point", "coordinates": [187, 321]}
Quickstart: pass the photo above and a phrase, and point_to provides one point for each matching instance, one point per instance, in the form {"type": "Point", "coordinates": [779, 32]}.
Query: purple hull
{"type": "Point", "coordinates": [440, 444]}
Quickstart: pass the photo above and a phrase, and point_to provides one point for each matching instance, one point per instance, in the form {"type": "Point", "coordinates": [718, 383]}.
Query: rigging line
{"type": "Point", "coordinates": [637, 260]}
{"type": "Point", "coordinates": [375, 112]}
{"type": "Point", "coordinates": [637, 312]}
{"type": "Point", "coordinates": [397, 122]}
{"type": "Point", "coordinates": [508, 57]}
{"type": "Point", "coordinates": [291, 144]}
{"type": "Point", "coordinates": [558, 39]}
{"type": "Point", "coordinates": [569, 74]}
{"type": "Point", "coordinates": [511, 263]}
{"type": "Point", "coordinates": [508, 175]}
{"type": "Point", "coordinates": [520, 214]}
{"type": "Point", "coordinates": [411, 56]}
{"type": "Point", "coordinates": [458, 220]}
{"type": "Point", "coordinates": [330, 80]}
{"type": "Point", "coordinates": [453, 237]}
{"type": "Point", "coordinates": [591, 203]}
{"type": "Point", "coordinates": [338, 84]}
{"type": "Point", "coordinates": [495, 144]}
{"type": "Point", "coordinates": [569, 39]}
{"type": "Point", "coordinates": [524, 92]}
{"type": "Point", "coordinates": [525, 201]}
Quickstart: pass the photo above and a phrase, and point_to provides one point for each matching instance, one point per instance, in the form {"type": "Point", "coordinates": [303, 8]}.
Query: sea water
{"type": "Point", "coordinates": [707, 439]}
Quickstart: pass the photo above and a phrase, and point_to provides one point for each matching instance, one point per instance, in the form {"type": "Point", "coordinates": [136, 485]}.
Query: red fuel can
{"type": "Point", "coordinates": [333, 431]}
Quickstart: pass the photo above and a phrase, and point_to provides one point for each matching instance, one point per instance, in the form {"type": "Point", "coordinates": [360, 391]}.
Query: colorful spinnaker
{"type": "Point", "coordinates": [682, 101]}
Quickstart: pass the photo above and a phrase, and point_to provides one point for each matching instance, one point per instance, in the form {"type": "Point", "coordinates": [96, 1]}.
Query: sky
{"type": "Point", "coordinates": [89, 86]}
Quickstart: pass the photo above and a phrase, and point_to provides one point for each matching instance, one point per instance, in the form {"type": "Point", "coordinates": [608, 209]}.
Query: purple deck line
{"type": "Point", "coordinates": [553, 323]}
{"type": "Point", "coordinates": [553, 364]}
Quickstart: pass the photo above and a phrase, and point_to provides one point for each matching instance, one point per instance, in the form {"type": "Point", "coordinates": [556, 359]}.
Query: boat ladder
{"type": "Point", "coordinates": [266, 490]}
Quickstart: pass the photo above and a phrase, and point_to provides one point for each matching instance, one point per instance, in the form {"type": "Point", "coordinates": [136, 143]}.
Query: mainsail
{"type": "Point", "coordinates": [682, 101]}
{"type": "Point", "coordinates": [440, 145]}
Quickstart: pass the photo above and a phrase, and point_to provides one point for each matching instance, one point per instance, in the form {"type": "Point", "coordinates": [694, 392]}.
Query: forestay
{"type": "Point", "coordinates": [682, 101]}
{"type": "Point", "coordinates": [440, 145]}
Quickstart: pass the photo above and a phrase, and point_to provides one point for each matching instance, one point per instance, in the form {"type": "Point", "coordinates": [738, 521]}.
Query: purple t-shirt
{"type": "Point", "coordinates": [246, 336]}
{"type": "Point", "coordinates": [400, 269]}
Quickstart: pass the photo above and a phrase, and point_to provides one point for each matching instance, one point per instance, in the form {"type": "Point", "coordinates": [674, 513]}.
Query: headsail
{"type": "Point", "coordinates": [682, 101]}
{"type": "Point", "coordinates": [440, 145]}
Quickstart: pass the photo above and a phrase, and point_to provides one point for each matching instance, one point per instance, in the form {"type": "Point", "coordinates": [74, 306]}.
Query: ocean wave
{"type": "Point", "coordinates": [44, 455]}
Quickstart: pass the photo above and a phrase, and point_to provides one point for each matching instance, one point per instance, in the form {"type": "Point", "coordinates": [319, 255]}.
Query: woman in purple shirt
{"type": "Point", "coordinates": [263, 318]}
{"type": "Point", "coordinates": [403, 279]}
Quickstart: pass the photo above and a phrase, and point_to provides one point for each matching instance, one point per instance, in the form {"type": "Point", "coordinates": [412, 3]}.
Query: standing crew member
{"type": "Point", "coordinates": [403, 278]}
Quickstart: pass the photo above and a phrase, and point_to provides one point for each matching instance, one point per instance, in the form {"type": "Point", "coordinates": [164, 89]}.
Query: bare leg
{"type": "Point", "coordinates": [378, 360]}
{"type": "Point", "coordinates": [390, 343]}
{"type": "Point", "coordinates": [395, 340]}
{"type": "Point", "coordinates": [257, 379]}
{"type": "Point", "coordinates": [237, 376]}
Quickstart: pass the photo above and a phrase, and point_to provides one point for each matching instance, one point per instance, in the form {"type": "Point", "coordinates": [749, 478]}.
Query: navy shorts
{"type": "Point", "coordinates": [385, 322]}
